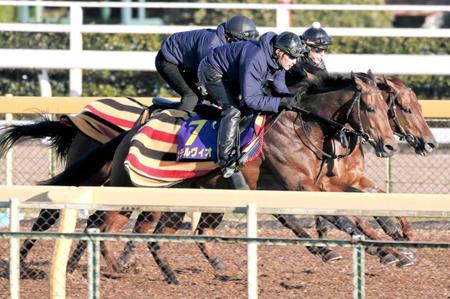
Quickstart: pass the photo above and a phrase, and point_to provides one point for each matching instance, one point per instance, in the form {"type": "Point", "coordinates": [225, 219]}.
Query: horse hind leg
{"type": "Point", "coordinates": [169, 223]}
{"type": "Point", "coordinates": [95, 220]}
{"type": "Point", "coordinates": [207, 225]}
{"type": "Point", "coordinates": [143, 224]}
{"type": "Point", "coordinates": [114, 222]}
{"type": "Point", "coordinates": [46, 219]}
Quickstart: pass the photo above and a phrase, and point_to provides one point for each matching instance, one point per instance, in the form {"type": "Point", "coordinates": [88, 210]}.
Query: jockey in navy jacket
{"type": "Point", "coordinates": [180, 54]}
{"type": "Point", "coordinates": [245, 68]}
{"type": "Point", "coordinates": [190, 47]}
{"type": "Point", "coordinates": [249, 65]}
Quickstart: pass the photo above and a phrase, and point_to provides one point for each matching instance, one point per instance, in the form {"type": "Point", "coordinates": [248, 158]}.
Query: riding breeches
{"type": "Point", "coordinates": [180, 80]}
{"type": "Point", "coordinates": [223, 93]}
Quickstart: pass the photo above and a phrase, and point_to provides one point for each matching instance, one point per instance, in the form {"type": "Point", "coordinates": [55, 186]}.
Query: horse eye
{"type": "Point", "coordinates": [406, 110]}
{"type": "Point", "coordinates": [370, 109]}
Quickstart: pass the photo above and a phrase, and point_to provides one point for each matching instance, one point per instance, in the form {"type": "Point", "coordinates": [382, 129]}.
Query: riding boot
{"type": "Point", "coordinates": [226, 140]}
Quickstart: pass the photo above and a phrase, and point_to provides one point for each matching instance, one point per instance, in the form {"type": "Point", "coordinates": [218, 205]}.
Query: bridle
{"type": "Point", "coordinates": [392, 114]}
{"type": "Point", "coordinates": [341, 131]}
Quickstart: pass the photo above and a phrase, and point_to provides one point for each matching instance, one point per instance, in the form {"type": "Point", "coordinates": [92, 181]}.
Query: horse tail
{"type": "Point", "coordinates": [60, 134]}
{"type": "Point", "coordinates": [88, 166]}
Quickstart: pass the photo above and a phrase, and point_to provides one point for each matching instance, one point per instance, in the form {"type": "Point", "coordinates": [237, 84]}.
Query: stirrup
{"type": "Point", "coordinates": [229, 170]}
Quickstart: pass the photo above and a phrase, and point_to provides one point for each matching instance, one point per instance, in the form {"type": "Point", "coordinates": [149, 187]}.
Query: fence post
{"type": "Point", "coordinates": [60, 255]}
{"type": "Point", "coordinates": [252, 252]}
{"type": "Point", "coordinates": [14, 260]}
{"type": "Point", "coordinates": [358, 267]}
{"type": "Point", "coordinates": [389, 175]}
{"type": "Point", "coordinates": [283, 15]}
{"type": "Point", "coordinates": [76, 46]}
{"type": "Point", "coordinates": [93, 265]}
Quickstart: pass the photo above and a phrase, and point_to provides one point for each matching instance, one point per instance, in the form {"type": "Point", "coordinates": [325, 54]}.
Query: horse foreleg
{"type": "Point", "coordinates": [169, 223]}
{"type": "Point", "coordinates": [143, 224]}
{"type": "Point", "coordinates": [406, 228]}
{"type": "Point", "coordinates": [46, 219]}
{"type": "Point", "coordinates": [208, 223]}
{"type": "Point", "coordinates": [289, 221]}
{"type": "Point", "coordinates": [387, 255]}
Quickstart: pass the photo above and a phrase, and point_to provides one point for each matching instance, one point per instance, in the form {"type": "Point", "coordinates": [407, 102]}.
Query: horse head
{"type": "Point", "coordinates": [368, 113]}
{"type": "Point", "coordinates": [406, 118]}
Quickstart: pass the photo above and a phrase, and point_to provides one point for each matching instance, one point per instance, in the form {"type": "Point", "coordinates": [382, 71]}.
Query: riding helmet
{"type": "Point", "coordinates": [290, 43]}
{"type": "Point", "coordinates": [241, 28]}
{"type": "Point", "coordinates": [316, 37]}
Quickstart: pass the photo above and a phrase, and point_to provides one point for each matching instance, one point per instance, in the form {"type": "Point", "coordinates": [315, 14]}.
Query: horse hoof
{"type": "Point", "coordinates": [408, 253]}
{"type": "Point", "coordinates": [217, 264]}
{"type": "Point", "coordinates": [405, 262]}
{"type": "Point", "coordinates": [331, 256]}
{"type": "Point", "coordinates": [372, 250]}
{"type": "Point", "coordinates": [388, 259]}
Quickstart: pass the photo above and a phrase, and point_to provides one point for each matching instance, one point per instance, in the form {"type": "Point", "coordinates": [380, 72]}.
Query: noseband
{"type": "Point", "coordinates": [399, 130]}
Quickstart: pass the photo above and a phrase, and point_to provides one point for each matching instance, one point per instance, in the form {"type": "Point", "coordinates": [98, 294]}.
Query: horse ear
{"type": "Point", "coordinates": [369, 72]}
{"type": "Point", "coordinates": [358, 82]}
{"type": "Point", "coordinates": [310, 76]}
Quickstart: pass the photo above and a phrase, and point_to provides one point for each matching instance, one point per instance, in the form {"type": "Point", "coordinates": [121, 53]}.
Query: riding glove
{"type": "Point", "coordinates": [287, 103]}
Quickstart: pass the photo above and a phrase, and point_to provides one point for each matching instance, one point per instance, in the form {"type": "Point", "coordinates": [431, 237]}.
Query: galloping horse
{"type": "Point", "coordinates": [71, 144]}
{"type": "Point", "coordinates": [347, 173]}
{"type": "Point", "coordinates": [290, 162]}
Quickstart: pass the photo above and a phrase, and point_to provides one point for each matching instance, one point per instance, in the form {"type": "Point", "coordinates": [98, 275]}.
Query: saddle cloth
{"type": "Point", "coordinates": [154, 150]}
{"type": "Point", "coordinates": [106, 118]}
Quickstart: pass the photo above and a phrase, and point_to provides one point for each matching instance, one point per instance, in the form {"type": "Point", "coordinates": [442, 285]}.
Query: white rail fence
{"type": "Point", "coordinates": [76, 59]}
{"type": "Point", "coordinates": [217, 201]}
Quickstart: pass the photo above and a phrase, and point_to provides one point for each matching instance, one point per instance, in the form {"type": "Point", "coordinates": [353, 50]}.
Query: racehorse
{"type": "Point", "coordinates": [71, 143]}
{"type": "Point", "coordinates": [347, 173]}
{"type": "Point", "coordinates": [358, 104]}
{"type": "Point", "coordinates": [405, 115]}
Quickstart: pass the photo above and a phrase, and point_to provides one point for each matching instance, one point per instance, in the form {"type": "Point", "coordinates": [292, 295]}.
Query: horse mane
{"type": "Point", "coordinates": [325, 82]}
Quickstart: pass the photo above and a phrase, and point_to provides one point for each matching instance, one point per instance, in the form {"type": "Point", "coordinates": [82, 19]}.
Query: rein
{"type": "Point", "coordinates": [342, 131]}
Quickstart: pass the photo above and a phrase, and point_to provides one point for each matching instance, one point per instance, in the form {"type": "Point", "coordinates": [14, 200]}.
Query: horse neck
{"type": "Point", "coordinates": [331, 105]}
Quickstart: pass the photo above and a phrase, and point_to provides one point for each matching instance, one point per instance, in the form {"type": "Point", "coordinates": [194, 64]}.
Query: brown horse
{"type": "Point", "coordinates": [344, 174]}
{"type": "Point", "coordinates": [290, 162]}
{"type": "Point", "coordinates": [71, 143]}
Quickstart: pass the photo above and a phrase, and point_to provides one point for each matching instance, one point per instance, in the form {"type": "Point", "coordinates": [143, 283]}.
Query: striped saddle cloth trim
{"type": "Point", "coordinates": [104, 119]}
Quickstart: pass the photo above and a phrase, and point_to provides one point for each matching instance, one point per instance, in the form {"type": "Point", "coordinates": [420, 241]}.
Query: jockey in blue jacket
{"type": "Point", "coordinates": [180, 54]}
{"type": "Point", "coordinates": [234, 75]}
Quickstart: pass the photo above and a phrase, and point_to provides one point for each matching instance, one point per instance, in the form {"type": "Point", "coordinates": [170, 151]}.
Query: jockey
{"type": "Point", "coordinates": [317, 42]}
{"type": "Point", "coordinates": [180, 54]}
{"type": "Point", "coordinates": [234, 76]}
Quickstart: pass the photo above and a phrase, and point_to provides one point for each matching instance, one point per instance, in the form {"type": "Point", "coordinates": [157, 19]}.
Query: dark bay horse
{"type": "Point", "coordinates": [286, 156]}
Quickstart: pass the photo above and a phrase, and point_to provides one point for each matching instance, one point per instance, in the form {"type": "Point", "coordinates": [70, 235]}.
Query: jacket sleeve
{"type": "Point", "coordinates": [252, 72]}
{"type": "Point", "coordinates": [279, 83]}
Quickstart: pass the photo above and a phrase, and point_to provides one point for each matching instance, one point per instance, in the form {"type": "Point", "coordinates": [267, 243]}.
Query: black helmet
{"type": "Point", "coordinates": [316, 37]}
{"type": "Point", "coordinates": [290, 43]}
{"type": "Point", "coordinates": [241, 28]}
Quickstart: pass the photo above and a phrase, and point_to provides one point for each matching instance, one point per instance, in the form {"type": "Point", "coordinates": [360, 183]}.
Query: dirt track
{"type": "Point", "coordinates": [284, 271]}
